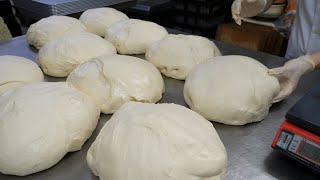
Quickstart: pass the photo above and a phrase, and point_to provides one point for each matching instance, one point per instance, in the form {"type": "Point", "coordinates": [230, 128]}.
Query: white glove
{"type": "Point", "coordinates": [289, 75]}
{"type": "Point", "coordinates": [4, 31]}
{"type": "Point", "coordinates": [248, 8]}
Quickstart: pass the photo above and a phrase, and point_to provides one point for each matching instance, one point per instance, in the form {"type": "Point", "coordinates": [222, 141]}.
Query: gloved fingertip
{"type": "Point", "coordinates": [279, 98]}
{"type": "Point", "coordinates": [239, 22]}
{"type": "Point", "coordinates": [276, 71]}
{"type": "Point", "coordinates": [284, 93]}
{"type": "Point", "coordinates": [271, 72]}
{"type": "Point", "coordinates": [276, 99]}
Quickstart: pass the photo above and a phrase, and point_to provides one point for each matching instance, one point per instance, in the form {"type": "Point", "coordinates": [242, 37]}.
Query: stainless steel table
{"type": "Point", "coordinates": [249, 153]}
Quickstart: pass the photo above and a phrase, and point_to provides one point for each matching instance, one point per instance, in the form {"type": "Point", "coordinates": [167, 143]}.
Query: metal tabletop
{"type": "Point", "coordinates": [250, 155]}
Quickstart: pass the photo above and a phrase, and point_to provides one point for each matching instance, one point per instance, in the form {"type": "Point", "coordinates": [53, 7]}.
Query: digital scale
{"type": "Point", "coordinates": [299, 135]}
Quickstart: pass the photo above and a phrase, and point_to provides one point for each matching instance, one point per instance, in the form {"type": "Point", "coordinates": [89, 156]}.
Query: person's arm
{"type": "Point", "coordinates": [248, 8]}
{"type": "Point", "coordinates": [289, 74]}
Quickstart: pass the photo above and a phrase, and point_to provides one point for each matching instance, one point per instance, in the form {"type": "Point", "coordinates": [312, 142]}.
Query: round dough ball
{"type": "Point", "coordinates": [233, 90]}
{"type": "Point", "coordinates": [17, 71]}
{"type": "Point", "coordinates": [157, 141]}
{"type": "Point", "coordinates": [115, 79]}
{"type": "Point", "coordinates": [51, 28]}
{"type": "Point", "coordinates": [59, 57]}
{"type": "Point", "coordinates": [40, 123]}
{"type": "Point", "coordinates": [134, 36]}
{"type": "Point", "coordinates": [176, 55]}
{"type": "Point", "coordinates": [99, 19]}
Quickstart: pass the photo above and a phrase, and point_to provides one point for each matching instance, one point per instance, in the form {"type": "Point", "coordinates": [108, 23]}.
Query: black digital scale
{"type": "Point", "coordinates": [299, 135]}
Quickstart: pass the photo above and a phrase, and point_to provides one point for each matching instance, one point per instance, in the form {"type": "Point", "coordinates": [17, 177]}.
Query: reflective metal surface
{"type": "Point", "coordinates": [250, 155]}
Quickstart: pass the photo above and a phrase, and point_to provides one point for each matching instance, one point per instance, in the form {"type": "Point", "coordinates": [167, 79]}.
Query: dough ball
{"type": "Point", "coordinates": [40, 123]}
{"type": "Point", "coordinates": [233, 90]}
{"type": "Point", "coordinates": [115, 79]}
{"type": "Point", "coordinates": [176, 55]}
{"type": "Point", "coordinates": [157, 141]}
{"type": "Point", "coordinates": [134, 36]}
{"type": "Point", "coordinates": [17, 71]}
{"type": "Point", "coordinates": [99, 19]}
{"type": "Point", "coordinates": [51, 28]}
{"type": "Point", "coordinates": [59, 57]}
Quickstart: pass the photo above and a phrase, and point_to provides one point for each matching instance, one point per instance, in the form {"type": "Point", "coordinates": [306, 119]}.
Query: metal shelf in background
{"type": "Point", "coordinates": [37, 9]}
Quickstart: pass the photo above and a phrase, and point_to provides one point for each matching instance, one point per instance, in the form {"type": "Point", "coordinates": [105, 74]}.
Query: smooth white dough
{"type": "Point", "coordinates": [40, 123]}
{"type": "Point", "coordinates": [176, 55]}
{"type": "Point", "coordinates": [59, 57]}
{"type": "Point", "coordinates": [134, 36]}
{"type": "Point", "coordinates": [51, 28]}
{"type": "Point", "coordinates": [99, 19]}
{"type": "Point", "coordinates": [233, 90]}
{"type": "Point", "coordinates": [115, 79]}
{"type": "Point", "coordinates": [145, 141]}
{"type": "Point", "coordinates": [17, 71]}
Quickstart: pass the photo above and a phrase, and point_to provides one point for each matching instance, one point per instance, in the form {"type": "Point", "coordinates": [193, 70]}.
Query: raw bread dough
{"type": "Point", "coordinates": [99, 19]}
{"type": "Point", "coordinates": [176, 55]}
{"type": "Point", "coordinates": [115, 79]}
{"type": "Point", "coordinates": [51, 28]}
{"type": "Point", "coordinates": [40, 123]}
{"type": "Point", "coordinates": [233, 90]}
{"type": "Point", "coordinates": [17, 71]}
{"type": "Point", "coordinates": [134, 36]}
{"type": "Point", "coordinates": [59, 57]}
{"type": "Point", "coordinates": [157, 141]}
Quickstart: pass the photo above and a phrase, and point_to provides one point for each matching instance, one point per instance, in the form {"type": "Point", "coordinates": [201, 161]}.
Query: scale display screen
{"type": "Point", "coordinates": [309, 151]}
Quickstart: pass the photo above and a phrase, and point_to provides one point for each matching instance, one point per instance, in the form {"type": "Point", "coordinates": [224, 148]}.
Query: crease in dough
{"type": "Point", "coordinates": [176, 55]}
{"type": "Point", "coordinates": [59, 57]}
{"type": "Point", "coordinates": [134, 36]}
{"type": "Point", "coordinates": [99, 19]}
{"type": "Point", "coordinates": [115, 79]}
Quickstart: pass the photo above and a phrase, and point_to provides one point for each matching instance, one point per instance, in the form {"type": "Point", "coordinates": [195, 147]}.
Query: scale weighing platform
{"type": "Point", "coordinates": [299, 135]}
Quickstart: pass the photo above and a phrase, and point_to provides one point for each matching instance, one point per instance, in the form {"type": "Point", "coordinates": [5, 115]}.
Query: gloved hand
{"type": "Point", "coordinates": [289, 75]}
{"type": "Point", "coordinates": [248, 8]}
{"type": "Point", "coordinates": [4, 31]}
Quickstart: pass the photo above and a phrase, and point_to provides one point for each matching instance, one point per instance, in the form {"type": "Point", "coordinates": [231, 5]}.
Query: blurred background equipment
{"type": "Point", "coordinates": [37, 9]}
{"type": "Point", "coordinates": [275, 11]}
{"type": "Point", "coordinates": [267, 32]}
{"type": "Point", "coordinates": [200, 17]}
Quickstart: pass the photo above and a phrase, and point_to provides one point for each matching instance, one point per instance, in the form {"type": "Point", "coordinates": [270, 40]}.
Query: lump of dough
{"type": "Point", "coordinates": [17, 71]}
{"type": "Point", "coordinates": [176, 55]}
{"type": "Point", "coordinates": [134, 36]}
{"type": "Point", "coordinates": [233, 90]}
{"type": "Point", "coordinates": [59, 57]}
{"type": "Point", "coordinates": [42, 122]}
{"type": "Point", "coordinates": [145, 141]}
{"type": "Point", "coordinates": [51, 28]}
{"type": "Point", "coordinates": [99, 19]}
{"type": "Point", "coordinates": [115, 79]}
